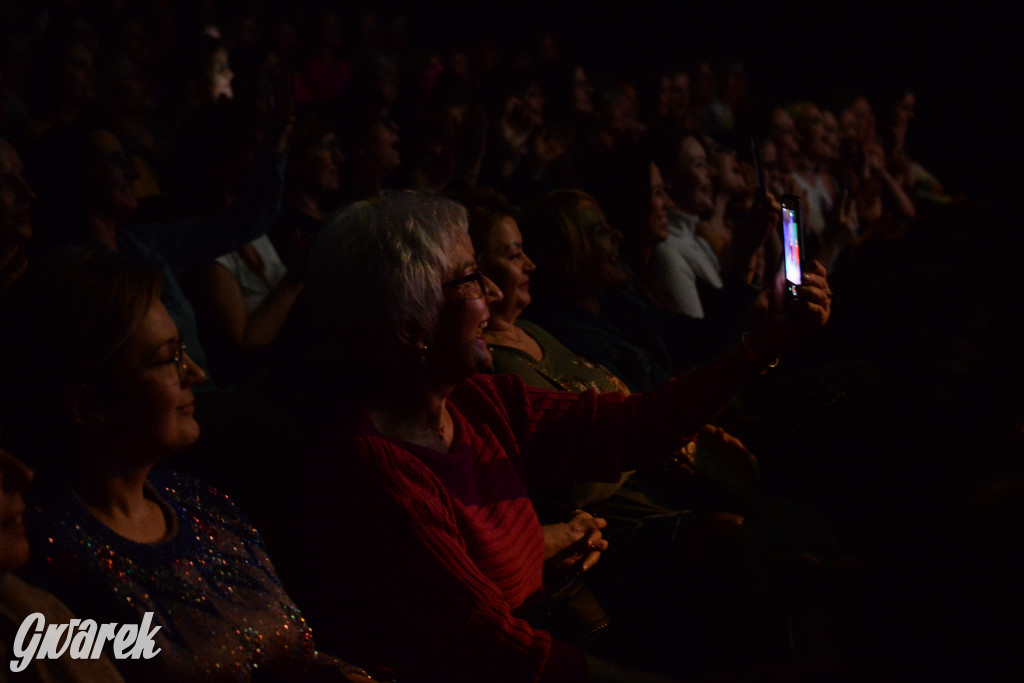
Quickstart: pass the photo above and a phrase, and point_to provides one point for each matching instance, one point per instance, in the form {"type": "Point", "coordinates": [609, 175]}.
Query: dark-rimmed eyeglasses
{"type": "Point", "coordinates": [468, 286]}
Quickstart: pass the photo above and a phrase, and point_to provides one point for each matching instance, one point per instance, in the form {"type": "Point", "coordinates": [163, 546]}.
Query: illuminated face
{"type": "Point", "coordinates": [509, 267]}
{"type": "Point", "coordinates": [154, 410]}
{"type": "Point", "coordinates": [457, 349]}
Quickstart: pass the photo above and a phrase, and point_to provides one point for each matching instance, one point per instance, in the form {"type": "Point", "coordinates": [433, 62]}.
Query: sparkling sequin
{"type": "Point", "coordinates": [222, 609]}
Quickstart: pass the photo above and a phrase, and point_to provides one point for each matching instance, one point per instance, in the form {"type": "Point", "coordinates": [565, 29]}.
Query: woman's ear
{"type": "Point", "coordinates": [80, 404]}
{"type": "Point", "coordinates": [412, 335]}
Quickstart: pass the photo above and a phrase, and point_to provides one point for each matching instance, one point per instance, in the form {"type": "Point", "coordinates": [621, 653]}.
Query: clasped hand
{"type": "Point", "coordinates": [576, 545]}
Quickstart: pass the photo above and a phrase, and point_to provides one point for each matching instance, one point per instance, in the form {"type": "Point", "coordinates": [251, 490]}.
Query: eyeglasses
{"type": "Point", "coordinates": [181, 361]}
{"type": "Point", "coordinates": [464, 286]}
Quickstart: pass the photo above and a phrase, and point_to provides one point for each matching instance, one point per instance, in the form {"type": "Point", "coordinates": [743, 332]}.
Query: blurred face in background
{"type": "Point", "coordinates": [383, 146]}
{"type": "Point", "coordinates": [221, 75]}
{"type": "Point", "coordinates": [904, 112]}
{"type": "Point", "coordinates": [811, 132]}
{"type": "Point", "coordinates": [79, 74]}
{"type": "Point", "coordinates": [581, 93]}
{"type": "Point", "coordinates": [830, 136]}
{"type": "Point", "coordinates": [658, 220]}
{"type": "Point", "coordinates": [112, 177]}
{"type": "Point", "coordinates": [601, 270]}
{"type": "Point", "coordinates": [730, 177]}
{"type": "Point", "coordinates": [321, 166]}
{"type": "Point", "coordinates": [674, 97]}
{"type": "Point", "coordinates": [691, 184]}
{"type": "Point", "coordinates": [782, 132]}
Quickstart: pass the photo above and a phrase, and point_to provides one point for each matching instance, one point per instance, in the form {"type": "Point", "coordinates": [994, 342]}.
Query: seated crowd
{"type": "Point", "coordinates": [348, 361]}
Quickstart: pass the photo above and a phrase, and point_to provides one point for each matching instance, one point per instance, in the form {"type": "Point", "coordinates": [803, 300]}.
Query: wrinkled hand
{"type": "Point", "coordinates": [788, 325]}
{"type": "Point", "coordinates": [575, 545]}
{"type": "Point", "coordinates": [811, 309]}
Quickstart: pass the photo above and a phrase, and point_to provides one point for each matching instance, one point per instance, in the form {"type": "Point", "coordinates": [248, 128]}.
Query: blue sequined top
{"type": "Point", "coordinates": [213, 590]}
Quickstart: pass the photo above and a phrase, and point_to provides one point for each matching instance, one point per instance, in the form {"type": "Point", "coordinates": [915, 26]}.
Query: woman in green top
{"type": "Point", "coordinates": [518, 346]}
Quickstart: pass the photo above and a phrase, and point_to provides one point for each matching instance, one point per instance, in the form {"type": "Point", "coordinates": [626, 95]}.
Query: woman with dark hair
{"type": "Point", "coordinates": [681, 261]}
{"type": "Point", "coordinates": [578, 266]}
{"type": "Point", "coordinates": [519, 346]}
{"type": "Point", "coordinates": [116, 540]}
{"type": "Point", "coordinates": [434, 459]}
{"type": "Point", "coordinates": [630, 189]}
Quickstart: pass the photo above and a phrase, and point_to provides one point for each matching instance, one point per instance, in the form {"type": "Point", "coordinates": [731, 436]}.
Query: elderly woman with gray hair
{"type": "Point", "coordinates": [419, 478]}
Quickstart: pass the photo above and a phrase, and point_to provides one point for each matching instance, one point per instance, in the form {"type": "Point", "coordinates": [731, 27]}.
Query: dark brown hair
{"type": "Point", "coordinates": [65, 321]}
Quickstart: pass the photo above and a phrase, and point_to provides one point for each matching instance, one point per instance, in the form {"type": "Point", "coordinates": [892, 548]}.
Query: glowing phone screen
{"type": "Point", "coordinates": [791, 237]}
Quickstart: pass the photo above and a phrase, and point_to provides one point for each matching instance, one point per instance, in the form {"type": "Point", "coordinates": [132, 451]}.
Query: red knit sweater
{"type": "Point", "coordinates": [449, 544]}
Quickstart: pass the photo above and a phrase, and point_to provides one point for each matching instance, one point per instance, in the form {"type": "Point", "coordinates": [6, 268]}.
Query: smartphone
{"type": "Point", "coordinates": [792, 243]}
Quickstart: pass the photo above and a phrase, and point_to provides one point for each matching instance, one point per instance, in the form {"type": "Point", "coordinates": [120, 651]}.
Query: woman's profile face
{"type": "Point", "coordinates": [658, 221]}
{"type": "Point", "coordinates": [383, 146]}
{"type": "Point", "coordinates": [79, 74]}
{"type": "Point", "coordinates": [729, 176]}
{"type": "Point", "coordinates": [508, 266]}
{"type": "Point", "coordinates": [14, 479]}
{"type": "Point", "coordinates": [323, 161]}
{"type": "Point", "coordinates": [155, 408]}
{"type": "Point", "coordinates": [602, 270]}
{"type": "Point", "coordinates": [112, 176]}
{"type": "Point", "coordinates": [693, 178]}
{"type": "Point", "coordinates": [457, 348]}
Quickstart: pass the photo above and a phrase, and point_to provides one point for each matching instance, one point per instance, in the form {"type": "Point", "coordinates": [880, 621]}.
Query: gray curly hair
{"type": "Point", "coordinates": [377, 265]}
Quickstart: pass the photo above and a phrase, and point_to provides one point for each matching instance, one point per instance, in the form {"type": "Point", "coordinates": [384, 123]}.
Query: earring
{"type": "Point", "coordinates": [423, 354]}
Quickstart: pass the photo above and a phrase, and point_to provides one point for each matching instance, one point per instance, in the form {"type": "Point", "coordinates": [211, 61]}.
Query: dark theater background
{"type": "Point", "coordinates": [912, 440]}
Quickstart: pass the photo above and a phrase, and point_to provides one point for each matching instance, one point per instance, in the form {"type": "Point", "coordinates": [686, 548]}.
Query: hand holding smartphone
{"type": "Point", "coordinates": [792, 244]}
